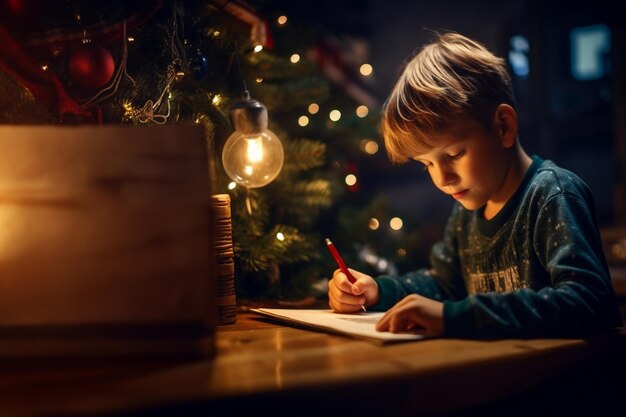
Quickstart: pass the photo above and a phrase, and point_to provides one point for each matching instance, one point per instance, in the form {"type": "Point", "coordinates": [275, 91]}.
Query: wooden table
{"type": "Point", "coordinates": [265, 369]}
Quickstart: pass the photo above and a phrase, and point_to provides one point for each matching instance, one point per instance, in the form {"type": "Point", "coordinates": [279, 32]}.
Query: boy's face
{"type": "Point", "coordinates": [469, 163]}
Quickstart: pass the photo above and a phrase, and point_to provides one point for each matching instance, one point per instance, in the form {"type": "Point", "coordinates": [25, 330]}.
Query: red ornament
{"type": "Point", "coordinates": [91, 66]}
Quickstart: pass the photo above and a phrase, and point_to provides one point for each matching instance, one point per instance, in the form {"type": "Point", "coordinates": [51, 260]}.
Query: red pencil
{"type": "Point", "coordinates": [341, 263]}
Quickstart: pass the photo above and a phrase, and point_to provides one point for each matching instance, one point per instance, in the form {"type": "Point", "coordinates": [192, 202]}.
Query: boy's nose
{"type": "Point", "coordinates": [445, 176]}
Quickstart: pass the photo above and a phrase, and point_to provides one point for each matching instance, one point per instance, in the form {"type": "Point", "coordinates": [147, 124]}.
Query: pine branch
{"type": "Point", "coordinates": [303, 154]}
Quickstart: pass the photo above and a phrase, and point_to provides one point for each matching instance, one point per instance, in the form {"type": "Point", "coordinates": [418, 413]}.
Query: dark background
{"type": "Point", "coordinates": [577, 123]}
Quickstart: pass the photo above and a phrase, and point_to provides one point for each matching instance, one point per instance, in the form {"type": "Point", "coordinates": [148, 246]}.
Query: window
{"type": "Point", "coordinates": [590, 49]}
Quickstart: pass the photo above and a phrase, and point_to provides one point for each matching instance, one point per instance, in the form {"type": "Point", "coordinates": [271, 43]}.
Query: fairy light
{"type": "Point", "coordinates": [259, 80]}
{"type": "Point", "coordinates": [334, 115]}
{"type": "Point", "coordinates": [258, 48]}
{"type": "Point", "coordinates": [373, 224]}
{"type": "Point", "coordinates": [362, 111]}
{"type": "Point", "coordinates": [366, 69]}
{"type": "Point", "coordinates": [303, 121]}
{"type": "Point", "coordinates": [350, 180]}
{"type": "Point", "coordinates": [314, 108]}
{"type": "Point", "coordinates": [396, 223]}
{"type": "Point", "coordinates": [44, 67]}
{"type": "Point", "coordinates": [232, 185]}
{"type": "Point", "coordinates": [216, 33]}
{"type": "Point", "coordinates": [282, 20]}
{"type": "Point", "coordinates": [401, 252]}
{"type": "Point", "coordinates": [370, 147]}
{"type": "Point", "coordinates": [130, 39]}
{"type": "Point", "coordinates": [216, 100]}
{"type": "Point", "coordinates": [295, 58]}
{"type": "Point", "coordinates": [280, 236]}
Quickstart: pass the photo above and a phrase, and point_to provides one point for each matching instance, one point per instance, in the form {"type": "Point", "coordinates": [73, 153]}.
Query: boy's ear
{"type": "Point", "coordinates": [505, 122]}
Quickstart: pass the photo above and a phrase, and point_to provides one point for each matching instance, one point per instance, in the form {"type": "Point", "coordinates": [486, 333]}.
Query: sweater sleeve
{"type": "Point", "coordinates": [580, 299]}
{"type": "Point", "coordinates": [442, 281]}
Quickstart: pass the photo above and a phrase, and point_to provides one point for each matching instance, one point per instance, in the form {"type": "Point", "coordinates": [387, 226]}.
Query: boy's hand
{"type": "Point", "coordinates": [414, 313]}
{"type": "Point", "coordinates": [345, 297]}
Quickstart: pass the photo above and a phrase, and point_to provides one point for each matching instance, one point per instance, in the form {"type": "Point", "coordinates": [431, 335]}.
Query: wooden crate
{"type": "Point", "coordinates": [105, 241]}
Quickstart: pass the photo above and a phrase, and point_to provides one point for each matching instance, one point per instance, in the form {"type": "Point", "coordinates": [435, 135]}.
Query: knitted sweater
{"type": "Point", "coordinates": [536, 269]}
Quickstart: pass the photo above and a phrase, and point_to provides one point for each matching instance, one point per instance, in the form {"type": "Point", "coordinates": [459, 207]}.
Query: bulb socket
{"type": "Point", "coordinates": [248, 116]}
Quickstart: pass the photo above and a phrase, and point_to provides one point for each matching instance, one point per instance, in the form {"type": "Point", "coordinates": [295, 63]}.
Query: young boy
{"type": "Point", "coordinates": [521, 254]}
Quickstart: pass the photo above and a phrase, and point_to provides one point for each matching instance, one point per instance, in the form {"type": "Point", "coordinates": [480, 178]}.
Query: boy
{"type": "Point", "coordinates": [521, 254]}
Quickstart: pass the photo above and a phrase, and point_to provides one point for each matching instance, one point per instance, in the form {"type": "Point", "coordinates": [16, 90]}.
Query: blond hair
{"type": "Point", "coordinates": [448, 78]}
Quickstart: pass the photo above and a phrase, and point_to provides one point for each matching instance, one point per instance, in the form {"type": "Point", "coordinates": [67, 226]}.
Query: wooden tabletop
{"type": "Point", "coordinates": [278, 370]}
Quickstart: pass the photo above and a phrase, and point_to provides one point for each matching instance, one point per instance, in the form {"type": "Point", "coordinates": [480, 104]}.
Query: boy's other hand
{"type": "Point", "coordinates": [415, 314]}
{"type": "Point", "coordinates": [346, 297]}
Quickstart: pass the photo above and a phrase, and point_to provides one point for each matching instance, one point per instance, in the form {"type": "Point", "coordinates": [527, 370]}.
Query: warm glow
{"type": "Point", "coordinates": [396, 223]}
{"type": "Point", "coordinates": [294, 58]}
{"type": "Point", "coordinates": [216, 33]}
{"type": "Point", "coordinates": [334, 115]}
{"type": "Point", "coordinates": [366, 69]}
{"type": "Point", "coordinates": [130, 39]}
{"type": "Point", "coordinates": [362, 111]}
{"type": "Point", "coordinates": [350, 179]}
{"type": "Point", "coordinates": [371, 147]}
{"type": "Point", "coordinates": [280, 236]}
{"type": "Point", "coordinates": [282, 20]}
{"type": "Point", "coordinates": [258, 48]}
{"type": "Point", "coordinates": [303, 121]}
{"type": "Point", "coordinates": [248, 169]}
{"type": "Point", "coordinates": [401, 252]}
{"type": "Point", "coordinates": [217, 99]}
{"type": "Point", "coordinates": [314, 108]}
{"type": "Point", "coordinates": [232, 185]}
{"type": "Point", "coordinates": [254, 151]}
{"type": "Point", "coordinates": [373, 223]}
{"type": "Point", "coordinates": [44, 67]}
{"type": "Point", "coordinates": [259, 80]}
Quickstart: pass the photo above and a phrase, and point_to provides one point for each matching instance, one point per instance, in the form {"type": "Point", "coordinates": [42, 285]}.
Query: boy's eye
{"type": "Point", "coordinates": [457, 155]}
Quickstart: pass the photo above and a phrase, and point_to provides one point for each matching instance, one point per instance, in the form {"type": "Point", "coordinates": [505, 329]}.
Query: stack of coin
{"type": "Point", "coordinates": [224, 259]}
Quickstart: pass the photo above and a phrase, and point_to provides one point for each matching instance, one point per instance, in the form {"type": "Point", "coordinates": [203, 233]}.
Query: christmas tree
{"type": "Point", "coordinates": [156, 62]}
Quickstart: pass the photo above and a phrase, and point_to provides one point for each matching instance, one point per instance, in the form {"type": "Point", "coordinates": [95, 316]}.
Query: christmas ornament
{"type": "Point", "coordinates": [199, 65]}
{"type": "Point", "coordinates": [253, 155]}
{"type": "Point", "coordinates": [91, 66]}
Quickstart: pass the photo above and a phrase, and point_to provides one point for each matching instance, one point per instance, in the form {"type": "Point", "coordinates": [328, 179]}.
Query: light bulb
{"type": "Point", "coordinates": [253, 160]}
{"type": "Point", "coordinates": [253, 155]}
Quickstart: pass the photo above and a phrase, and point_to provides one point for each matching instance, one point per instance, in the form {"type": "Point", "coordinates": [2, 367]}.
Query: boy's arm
{"type": "Point", "coordinates": [442, 281]}
{"type": "Point", "coordinates": [581, 299]}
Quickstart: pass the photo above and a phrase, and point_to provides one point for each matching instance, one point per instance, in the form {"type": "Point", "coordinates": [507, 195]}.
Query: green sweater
{"type": "Point", "coordinates": [536, 269]}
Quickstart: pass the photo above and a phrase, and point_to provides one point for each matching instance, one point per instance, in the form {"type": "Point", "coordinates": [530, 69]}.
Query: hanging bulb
{"type": "Point", "coordinates": [253, 155]}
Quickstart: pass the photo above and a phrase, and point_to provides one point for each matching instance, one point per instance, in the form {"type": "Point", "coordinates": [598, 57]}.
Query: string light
{"type": "Point", "coordinates": [350, 180]}
{"type": "Point", "coordinates": [44, 67]}
{"type": "Point", "coordinates": [303, 121]}
{"type": "Point", "coordinates": [294, 58]}
{"type": "Point", "coordinates": [366, 69]}
{"type": "Point", "coordinates": [362, 111]}
{"type": "Point", "coordinates": [368, 146]}
{"type": "Point", "coordinates": [259, 80]}
{"type": "Point", "coordinates": [216, 100]}
{"type": "Point", "coordinates": [282, 20]}
{"type": "Point", "coordinates": [258, 48]}
{"type": "Point", "coordinates": [401, 252]}
{"type": "Point", "coordinates": [373, 223]}
{"type": "Point", "coordinates": [396, 223]}
{"type": "Point", "coordinates": [334, 115]}
{"type": "Point", "coordinates": [314, 108]}
{"type": "Point", "coordinates": [130, 39]}
{"type": "Point", "coordinates": [232, 185]}
{"type": "Point", "coordinates": [280, 236]}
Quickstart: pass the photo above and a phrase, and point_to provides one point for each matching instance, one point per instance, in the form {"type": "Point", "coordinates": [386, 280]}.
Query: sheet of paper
{"type": "Point", "coordinates": [360, 325]}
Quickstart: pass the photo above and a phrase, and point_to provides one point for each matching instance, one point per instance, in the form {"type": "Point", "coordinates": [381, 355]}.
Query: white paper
{"type": "Point", "coordinates": [358, 325]}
